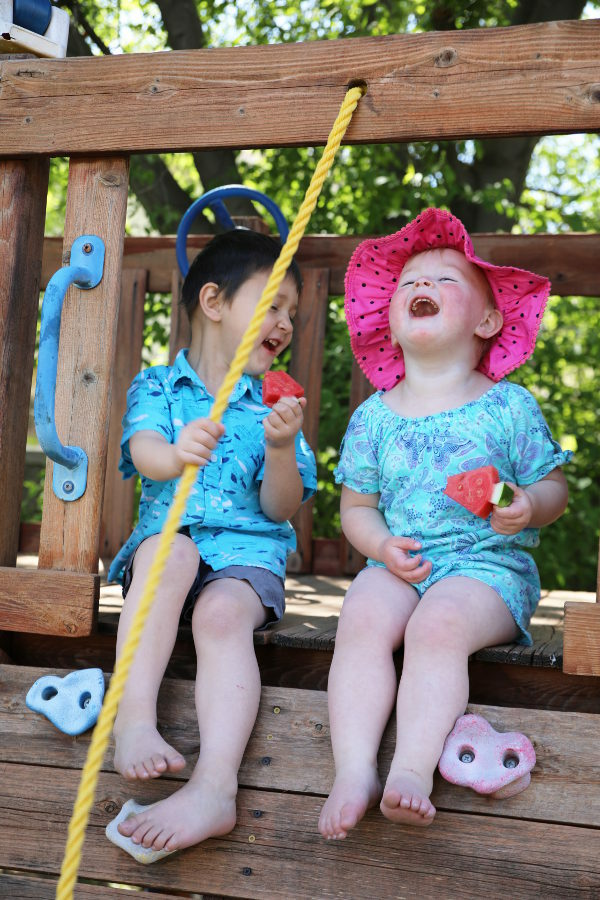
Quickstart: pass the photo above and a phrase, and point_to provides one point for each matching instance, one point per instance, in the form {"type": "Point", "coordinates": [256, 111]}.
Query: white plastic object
{"type": "Point", "coordinates": [15, 39]}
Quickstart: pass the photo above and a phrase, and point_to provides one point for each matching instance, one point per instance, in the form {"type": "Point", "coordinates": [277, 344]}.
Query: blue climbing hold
{"type": "Point", "coordinates": [71, 703]}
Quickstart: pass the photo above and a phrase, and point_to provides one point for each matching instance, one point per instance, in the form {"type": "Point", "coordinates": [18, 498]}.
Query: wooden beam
{"type": "Point", "coordinates": [96, 204]}
{"type": "Point", "coordinates": [581, 650]}
{"type": "Point", "coordinates": [23, 191]}
{"type": "Point", "coordinates": [525, 80]}
{"type": "Point", "coordinates": [57, 603]}
{"type": "Point", "coordinates": [570, 261]}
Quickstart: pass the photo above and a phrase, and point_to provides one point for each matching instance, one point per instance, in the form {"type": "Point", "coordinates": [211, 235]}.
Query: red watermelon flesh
{"type": "Point", "coordinates": [473, 489]}
{"type": "Point", "coordinates": [277, 385]}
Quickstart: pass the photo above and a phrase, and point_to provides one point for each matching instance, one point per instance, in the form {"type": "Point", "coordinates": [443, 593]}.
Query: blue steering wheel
{"type": "Point", "coordinates": [214, 199]}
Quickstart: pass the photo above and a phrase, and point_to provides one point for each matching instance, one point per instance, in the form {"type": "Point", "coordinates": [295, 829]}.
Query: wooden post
{"type": "Point", "coordinates": [23, 192]}
{"type": "Point", "coordinates": [118, 507]}
{"type": "Point", "coordinates": [307, 367]}
{"type": "Point", "coordinates": [65, 602]}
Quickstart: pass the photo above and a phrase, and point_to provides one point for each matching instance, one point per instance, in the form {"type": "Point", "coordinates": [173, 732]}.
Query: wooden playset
{"type": "Point", "coordinates": [527, 80]}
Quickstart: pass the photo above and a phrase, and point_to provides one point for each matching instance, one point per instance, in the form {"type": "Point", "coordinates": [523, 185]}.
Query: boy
{"type": "Point", "coordinates": [227, 565]}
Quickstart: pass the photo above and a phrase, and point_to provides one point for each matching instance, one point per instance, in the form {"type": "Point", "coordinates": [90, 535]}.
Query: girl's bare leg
{"type": "Point", "coordinates": [227, 698]}
{"type": "Point", "coordinates": [140, 751]}
{"type": "Point", "coordinates": [362, 689]}
{"type": "Point", "coordinates": [455, 618]}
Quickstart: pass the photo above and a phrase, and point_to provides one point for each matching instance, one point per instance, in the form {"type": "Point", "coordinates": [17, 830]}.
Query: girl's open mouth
{"type": "Point", "coordinates": [423, 306]}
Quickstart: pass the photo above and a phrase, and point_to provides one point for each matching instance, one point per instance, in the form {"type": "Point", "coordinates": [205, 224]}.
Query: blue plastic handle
{"type": "Point", "coordinates": [214, 199]}
{"type": "Point", "coordinates": [70, 463]}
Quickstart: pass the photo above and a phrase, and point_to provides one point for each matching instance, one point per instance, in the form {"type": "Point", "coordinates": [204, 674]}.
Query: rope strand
{"type": "Point", "coordinates": [102, 731]}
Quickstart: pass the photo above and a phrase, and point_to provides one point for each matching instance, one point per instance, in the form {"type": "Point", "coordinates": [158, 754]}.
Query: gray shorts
{"type": "Point", "coordinates": [269, 587]}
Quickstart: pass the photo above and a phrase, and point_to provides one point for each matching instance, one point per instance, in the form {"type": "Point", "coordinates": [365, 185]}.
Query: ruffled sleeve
{"type": "Point", "coordinates": [534, 452]}
{"type": "Point", "coordinates": [358, 468]}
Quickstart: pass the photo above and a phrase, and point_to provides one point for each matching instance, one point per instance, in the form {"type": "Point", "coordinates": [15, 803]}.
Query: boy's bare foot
{"type": "Point", "coordinates": [197, 811]}
{"type": "Point", "coordinates": [141, 753]}
{"type": "Point", "coordinates": [351, 796]}
{"type": "Point", "coordinates": [406, 800]}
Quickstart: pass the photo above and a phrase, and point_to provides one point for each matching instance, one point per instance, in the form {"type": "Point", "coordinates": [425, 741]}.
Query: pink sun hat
{"type": "Point", "coordinates": [372, 278]}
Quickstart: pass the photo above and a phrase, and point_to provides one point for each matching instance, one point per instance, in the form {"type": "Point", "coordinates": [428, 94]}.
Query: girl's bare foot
{"type": "Point", "coordinates": [406, 800]}
{"type": "Point", "coordinates": [197, 811]}
{"type": "Point", "coordinates": [353, 793]}
{"type": "Point", "coordinates": [141, 753]}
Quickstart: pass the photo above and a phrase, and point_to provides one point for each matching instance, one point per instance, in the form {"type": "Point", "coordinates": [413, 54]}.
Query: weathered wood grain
{"type": "Point", "coordinates": [21, 887]}
{"type": "Point", "coordinates": [48, 602]}
{"type": "Point", "coordinates": [568, 260]}
{"type": "Point", "coordinates": [118, 507]}
{"type": "Point", "coordinates": [275, 850]}
{"type": "Point", "coordinates": [531, 79]}
{"type": "Point", "coordinates": [581, 654]}
{"type": "Point", "coordinates": [23, 190]}
{"type": "Point", "coordinates": [96, 204]}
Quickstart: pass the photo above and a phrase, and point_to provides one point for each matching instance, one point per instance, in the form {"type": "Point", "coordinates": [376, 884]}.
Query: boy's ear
{"type": "Point", "coordinates": [491, 324]}
{"type": "Point", "coordinates": [210, 301]}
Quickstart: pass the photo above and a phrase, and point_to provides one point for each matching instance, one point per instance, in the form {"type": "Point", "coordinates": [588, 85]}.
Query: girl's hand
{"type": "Point", "coordinates": [514, 518]}
{"type": "Point", "coordinates": [196, 442]}
{"type": "Point", "coordinates": [394, 553]}
{"type": "Point", "coordinates": [284, 421]}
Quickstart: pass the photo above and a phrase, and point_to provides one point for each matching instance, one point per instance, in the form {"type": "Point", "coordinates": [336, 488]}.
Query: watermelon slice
{"type": "Point", "coordinates": [277, 385]}
{"type": "Point", "coordinates": [478, 490]}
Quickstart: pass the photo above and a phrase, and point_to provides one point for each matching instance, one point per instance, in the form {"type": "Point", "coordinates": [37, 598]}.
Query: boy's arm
{"type": "Point", "coordinates": [281, 489]}
{"type": "Point", "coordinates": [365, 527]}
{"type": "Point", "coordinates": [155, 458]}
{"type": "Point", "coordinates": [534, 505]}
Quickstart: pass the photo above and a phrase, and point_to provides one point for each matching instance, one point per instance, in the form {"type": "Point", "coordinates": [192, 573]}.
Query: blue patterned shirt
{"type": "Point", "coordinates": [407, 462]}
{"type": "Point", "coordinates": [223, 512]}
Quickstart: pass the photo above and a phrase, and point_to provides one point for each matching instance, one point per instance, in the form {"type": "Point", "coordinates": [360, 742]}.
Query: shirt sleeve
{"type": "Point", "coordinates": [534, 452]}
{"type": "Point", "coordinates": [147, 410]}
{"type": "Point", "coordinates": [358, 468]}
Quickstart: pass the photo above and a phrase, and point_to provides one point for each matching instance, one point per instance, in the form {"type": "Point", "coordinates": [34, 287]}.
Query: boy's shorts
{"type": "Point", "coordinates": [269, 587]}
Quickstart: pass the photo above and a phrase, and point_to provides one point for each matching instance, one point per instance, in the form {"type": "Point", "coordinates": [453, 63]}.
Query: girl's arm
{"type": "Point", "coordinates": [155, 458]}
{"type": "Point", "coordinates": [366, 529]}
{"type": "Point", "coordinates": [282, 489]}
{"type": "Point", "coordinates": [533, 506]}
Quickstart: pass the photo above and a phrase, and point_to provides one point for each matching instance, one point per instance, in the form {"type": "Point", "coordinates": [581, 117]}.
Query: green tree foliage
{"type": "Point", "coordinates": [511, 184]}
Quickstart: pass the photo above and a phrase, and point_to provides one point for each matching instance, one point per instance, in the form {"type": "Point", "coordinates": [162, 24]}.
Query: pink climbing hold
{"type": "Point", "coordinates": [490, 762]}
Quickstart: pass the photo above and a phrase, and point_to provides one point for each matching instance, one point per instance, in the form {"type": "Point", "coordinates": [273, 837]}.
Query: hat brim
{"type": "Point", "coordinates": [372, 278]}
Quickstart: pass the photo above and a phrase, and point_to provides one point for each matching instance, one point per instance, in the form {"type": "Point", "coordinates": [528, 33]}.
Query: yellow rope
{"type": "Point", "coordinates": [102, 731]}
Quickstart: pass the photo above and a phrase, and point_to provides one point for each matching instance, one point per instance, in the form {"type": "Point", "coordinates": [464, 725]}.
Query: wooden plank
{"type": "Point", "coordinates": [531, 79]}
{"type": "Point", "coordinates": [22, 887]}
{"type": "Point", "coordinates": [96, 204]}
{"type": "Point", "coordinates": [275, 850]}
{"type": "Point", "coordinates": [23, 191]}
{"type": "Point", "coordinates": [118, 507]}
{"type": "Point", "coordinates": [180, 333]}
{"type": "Point", "coordinates": [48, 602]}
{"type": "Point", "coordinates": [569, 260]}
{"type": "Point", "coordinates": [290, 748]}
{"type": "Point", "coordinates": [306, 366]}
{"type": "Point", "coordinates": [582, 638]}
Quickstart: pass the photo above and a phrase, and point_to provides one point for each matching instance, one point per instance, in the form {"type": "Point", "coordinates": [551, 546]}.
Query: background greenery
{"type": "Point", "coordinates": [519, 184]}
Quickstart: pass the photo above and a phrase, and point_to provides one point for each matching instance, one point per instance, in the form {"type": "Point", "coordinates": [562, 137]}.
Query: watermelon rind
{"type": "Point", "coordinates": [502, 494]}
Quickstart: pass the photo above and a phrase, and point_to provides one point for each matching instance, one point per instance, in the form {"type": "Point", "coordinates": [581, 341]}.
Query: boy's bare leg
{"type": "Point", "coordinates": [227, 698]}
{"type": "Point", "coordinates": [362, 689]}
{"type": "Point", "coordinates": [140, 751]}
{"type": "Point", "coordinates": [455, 618]}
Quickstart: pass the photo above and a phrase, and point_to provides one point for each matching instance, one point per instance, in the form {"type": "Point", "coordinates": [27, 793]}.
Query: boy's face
{"type": "Point", "coordinates": [440, 294]}
{"type": "Point", "coordinates": [276, 331]}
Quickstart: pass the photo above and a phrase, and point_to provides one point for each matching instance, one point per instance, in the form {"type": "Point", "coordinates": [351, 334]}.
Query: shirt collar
{"type": "Point", "coordinates": [181, 371]}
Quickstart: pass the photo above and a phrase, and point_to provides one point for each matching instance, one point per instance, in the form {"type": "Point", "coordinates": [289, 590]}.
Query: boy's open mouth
{"type": "Point", "coordinates": [271, 345]}
{"type": "Point", "coordinates": [423, 306]}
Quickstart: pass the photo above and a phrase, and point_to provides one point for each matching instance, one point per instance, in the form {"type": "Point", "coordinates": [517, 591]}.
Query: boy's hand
{"type": "Point", "coordinates": [514, 518]}
{"type": "Point", "coordinates": [394, 553]}
{"type": "Point", "coordinates": [196, 442]}
{"type": "Point", "coordinates": [284, 421]}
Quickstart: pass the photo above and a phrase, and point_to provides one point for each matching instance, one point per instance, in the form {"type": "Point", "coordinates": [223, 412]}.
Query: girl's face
{"type": "Point", "coordinates": [442, 298]}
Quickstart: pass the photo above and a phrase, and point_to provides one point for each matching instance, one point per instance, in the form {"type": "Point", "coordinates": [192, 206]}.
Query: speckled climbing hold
{"type": "Point", "coordinates": [71, 703]}
{"type": "Point", "coordinates": [144, 855]}
{"type": "Point", "coordinates": [490, 762]}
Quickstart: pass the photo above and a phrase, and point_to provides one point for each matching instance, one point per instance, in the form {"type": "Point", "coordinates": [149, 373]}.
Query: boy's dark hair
{"type": "Point", "coordinates": [229, 260]}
